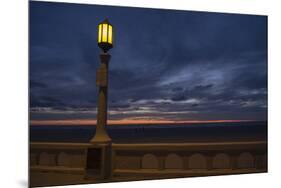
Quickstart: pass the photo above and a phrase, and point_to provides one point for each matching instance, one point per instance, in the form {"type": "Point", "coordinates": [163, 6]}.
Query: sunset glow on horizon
{"type": "Point", "coordinates": [126, 122]}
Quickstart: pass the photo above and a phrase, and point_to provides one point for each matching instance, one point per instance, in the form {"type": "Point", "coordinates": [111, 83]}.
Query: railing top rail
{"type": "Point", "coordinates": [257, 145]}
{"type": "Point", "coordinates": [195, 146]}
{"type": "Point", "coordinates": [58, 145]}
{"type": "Point", "coordinates": [191, 143]}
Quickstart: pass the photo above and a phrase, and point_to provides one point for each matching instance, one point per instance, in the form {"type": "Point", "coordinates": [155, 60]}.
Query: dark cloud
{"type": "Point", "coordinates": [203, 87]}
{"type": "Point", "coordinates": [165, 64]}
{"type": "Point", "coordinates": [194, 105]}
{"type": "Point", "coordinates": [180, 97]}
{"type": "Point", "coordinates": [34, 84]}
{"type": "Point", "coordinates": [177, 89]}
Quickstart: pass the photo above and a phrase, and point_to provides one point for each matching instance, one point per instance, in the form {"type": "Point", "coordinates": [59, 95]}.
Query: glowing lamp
{"type": "Point", "coordinates": [105, 36]}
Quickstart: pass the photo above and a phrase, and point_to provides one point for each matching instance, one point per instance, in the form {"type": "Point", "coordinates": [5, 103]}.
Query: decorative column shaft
{"type": "Point", "coordinates": [102, 82]}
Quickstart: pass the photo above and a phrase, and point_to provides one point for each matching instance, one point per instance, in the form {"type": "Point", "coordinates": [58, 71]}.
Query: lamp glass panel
{"type": "Point", "coordinates": [99, 37]}
{"type": "Point", "coordinates": [110, 34]}
{"type": "Point", "coordinates": [104, 32]}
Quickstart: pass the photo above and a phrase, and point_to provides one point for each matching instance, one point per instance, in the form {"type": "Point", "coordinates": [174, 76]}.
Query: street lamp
{"type": "Point", "coordinates": [99, 152]}
{"type": "Point", "coordinates": [105, 42]}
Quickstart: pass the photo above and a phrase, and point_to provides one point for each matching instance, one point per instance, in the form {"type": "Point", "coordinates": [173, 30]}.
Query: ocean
{"type": "Point", "coordinates": [197, 132]}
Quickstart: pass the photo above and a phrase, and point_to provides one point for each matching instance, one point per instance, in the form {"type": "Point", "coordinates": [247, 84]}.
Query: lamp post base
{"type": "Point", "coordinates": [99, 156]}
{"type": "Point", "coordinates": [100, 139]}
{"type": "Point", "coordinates": [99, 160]}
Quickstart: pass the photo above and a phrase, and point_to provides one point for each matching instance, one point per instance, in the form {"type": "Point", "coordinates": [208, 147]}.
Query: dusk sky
{"type": "Point", "coordinates": [166, 65]}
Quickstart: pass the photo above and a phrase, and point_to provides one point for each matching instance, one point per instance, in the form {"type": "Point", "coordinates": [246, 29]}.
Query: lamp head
{"type": "Point", "coordinates": [105, 36]}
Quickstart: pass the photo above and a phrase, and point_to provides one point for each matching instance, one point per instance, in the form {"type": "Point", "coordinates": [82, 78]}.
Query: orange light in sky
{"type": "Point", "coordinates": [125, 122]}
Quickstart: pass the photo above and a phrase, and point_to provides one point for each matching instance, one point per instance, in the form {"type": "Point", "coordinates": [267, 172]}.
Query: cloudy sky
{"type": "Point", "coordinates": [166, 65]}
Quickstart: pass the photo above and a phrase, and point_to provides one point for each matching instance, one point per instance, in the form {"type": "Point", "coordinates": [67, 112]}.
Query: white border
{"type": "Point", "coordinates": [229, 6]}
{"type": "Point", "coordinates": [13, 134]}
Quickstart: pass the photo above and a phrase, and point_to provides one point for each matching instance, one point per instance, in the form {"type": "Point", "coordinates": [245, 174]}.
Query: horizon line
{"type": "Point", "coordinates": [76, 122]}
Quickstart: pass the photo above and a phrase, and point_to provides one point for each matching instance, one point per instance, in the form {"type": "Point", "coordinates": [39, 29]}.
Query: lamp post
{"type": "Point", "coordinates": [105, 39]}
{"type": "Point", "coordinates": [99, 153]}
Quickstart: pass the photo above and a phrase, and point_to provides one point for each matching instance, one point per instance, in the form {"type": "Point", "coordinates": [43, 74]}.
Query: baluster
{"type": "Point", "coordinates": [258, 163]}
{"type": "Point", "coordinates": [233, 161]}
{"type": "Point", "coordinates": [186, 162]}
{"type": "Point", "coordinates": [161, 162]}
{"type": "Point", "coordinates": [57, 158]}
{"type": "Point", "coordinates": [140, 162]}
{"type": "Point", "coordinates": [37, 158]}
{"type": "Point", "coordinates": [209, 158]}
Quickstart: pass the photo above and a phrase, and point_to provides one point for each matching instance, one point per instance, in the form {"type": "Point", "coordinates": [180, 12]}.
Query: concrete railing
{"type": "Point", "coordinates": [58, 157]}
{"type": "Point", "coordinates": [66, 163]}
{"type": "Point", "coordinates": [189, 159]}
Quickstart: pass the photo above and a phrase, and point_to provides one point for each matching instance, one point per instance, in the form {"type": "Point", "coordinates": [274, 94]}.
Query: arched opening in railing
{"type": "Point", "coordinates": [197, 161]}
{"type": "Point", "coordinates": [47, 159]}
{"type": "Point", "coordinates": [245, 161]}
{"type": "Point", "coordinates": [149, 161]}
{"type": "Point", "coordinates": [221, 161]}
{"type": "Point", "coordinates": [173, 161]}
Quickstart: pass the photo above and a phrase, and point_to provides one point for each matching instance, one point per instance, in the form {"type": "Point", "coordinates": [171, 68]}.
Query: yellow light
{"type": "Point", "coordinates": [110, 34]}
{"type": "Point", "coordinates": [99, 38]}
{"type": "Point", "coordinates": [104, 32]}
{"type": "Point", "coordinates": [105, 35]}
